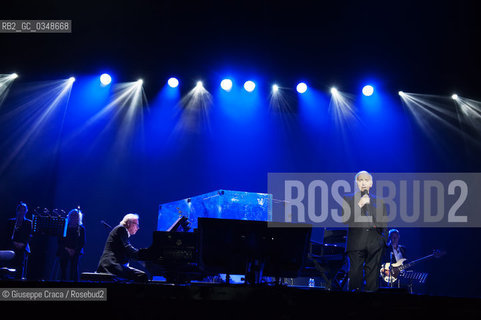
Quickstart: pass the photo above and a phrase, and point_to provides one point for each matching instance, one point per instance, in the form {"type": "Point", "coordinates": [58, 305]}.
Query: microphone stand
{"type": "Point", "coordinates": [108, 226]}
{"type": "Point", "coordinates": [390, 268]}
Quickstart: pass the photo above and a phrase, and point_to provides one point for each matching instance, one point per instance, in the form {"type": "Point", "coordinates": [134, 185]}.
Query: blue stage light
{"type": "Point", "coordinates": [105, 79]}
{"type": "Point", "coordinates": [301, 87]}
{"type": "Point", "coordinates": [71, 79]}
{"type": "Point", "coordinates": [368, 90]}
{"type": "Point", "coordinates": [173, 82]}
{"type": "Point", "coordinates": [226, 84]}
{"type": "Point", "coordinates": [249, 86]}
{"type": "Point", "coordinates": [275, 88]}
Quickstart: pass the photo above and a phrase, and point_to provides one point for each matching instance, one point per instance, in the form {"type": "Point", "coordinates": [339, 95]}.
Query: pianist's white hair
{"type": "Point", "coordinates": [127, 218]}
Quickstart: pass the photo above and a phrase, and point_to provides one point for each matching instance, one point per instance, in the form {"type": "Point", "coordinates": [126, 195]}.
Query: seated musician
{"type": "Point", "coordinates": [118, 251]}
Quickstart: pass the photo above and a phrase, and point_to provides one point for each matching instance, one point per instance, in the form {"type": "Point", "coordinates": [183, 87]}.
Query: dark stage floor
{"type": "Point", "coordinates": [160, 300]}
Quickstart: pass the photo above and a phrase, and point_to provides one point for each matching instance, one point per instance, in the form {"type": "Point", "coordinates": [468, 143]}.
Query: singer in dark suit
{"type": "Point", "coordinates": [366, 237]}
{"type": "Point", "coordinates": [118, 251]}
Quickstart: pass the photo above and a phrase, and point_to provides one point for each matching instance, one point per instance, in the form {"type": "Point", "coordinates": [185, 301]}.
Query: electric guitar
{"type": "Point", "coordinates": [390, 273]}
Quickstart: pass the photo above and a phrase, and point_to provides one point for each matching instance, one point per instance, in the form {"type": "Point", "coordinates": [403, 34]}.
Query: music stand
{"type": "Point", "coordinates": [49, 225]}
{"type": "Point", "coordinates": [182, 222]}
{"type": "Point", "coordinates": [251, 248]}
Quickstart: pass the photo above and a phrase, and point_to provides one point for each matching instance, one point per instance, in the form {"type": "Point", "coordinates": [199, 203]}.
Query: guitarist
{"type": "Point", "coordinates": [394, 251]}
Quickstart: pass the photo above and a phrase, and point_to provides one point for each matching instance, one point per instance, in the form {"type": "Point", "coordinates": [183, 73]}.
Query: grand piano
{"type": "Point", "coordinates": [174, 256]}
{"type": "Point", "coordinates": [174, 253]}
{"type": "Point", "coordinates": [234, 224]}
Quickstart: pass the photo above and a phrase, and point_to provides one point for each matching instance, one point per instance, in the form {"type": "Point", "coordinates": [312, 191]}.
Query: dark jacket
{"type": "Point", "coordinates": [75, 239]}
{"type": "Point", "coordinates": [23, 234]}
{"type": "Point", "coordinates": [360, 232]}
{"type": "Point", "coordinates": [387, 254]}
{"type": "Point", "coordinates": [118, 249]}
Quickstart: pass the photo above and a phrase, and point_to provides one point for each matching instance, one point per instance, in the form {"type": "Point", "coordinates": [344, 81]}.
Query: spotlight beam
{"type": "Point", "coordinates": [193, 110]}
{"type": "Point", "coordinates": [40, 116]}
{"type": "Point", "coordinates": [428, 108]}
{"type": "Point", "coordinates": [122, 94]}
{"type": "Point", "coordinates": [124, 110]}
{"type": "Point", "coordinates": [342, 108]}
{"type": "Point", "coordinates": [6, 81]}
{"type": "Point", "coordinates": [470, 108]}
{"type": "Point", "coordinates": [278, 100]}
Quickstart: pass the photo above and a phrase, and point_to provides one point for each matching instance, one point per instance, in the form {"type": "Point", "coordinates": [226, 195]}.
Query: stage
{"type": "Point", "coordinates": [307, 132]}
{"type": "Point", "coordinates": [162, 300]}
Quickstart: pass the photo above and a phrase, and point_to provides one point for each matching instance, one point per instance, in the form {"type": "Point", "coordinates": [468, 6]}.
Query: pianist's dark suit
{"type": "Point", "coordinates": [365, 242]}
{"type": "Point", "coordinates": [116, 256]}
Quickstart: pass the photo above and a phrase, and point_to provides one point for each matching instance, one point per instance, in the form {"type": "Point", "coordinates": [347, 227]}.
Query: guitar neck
{"type": "Point", "coordinates": [410, 264]}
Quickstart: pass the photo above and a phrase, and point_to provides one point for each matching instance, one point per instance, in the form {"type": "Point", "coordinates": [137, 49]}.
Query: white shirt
{"type": "Point", "coordinates": [128, 233]}
{"type": "Point", "coordinates": [397, 253]}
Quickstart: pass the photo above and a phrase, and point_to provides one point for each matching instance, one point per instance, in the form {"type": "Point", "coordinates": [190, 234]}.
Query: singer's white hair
{"type": "Point", "coordinates": [362, 172]}
{"type": "Point", "coordinates": [127, 218]}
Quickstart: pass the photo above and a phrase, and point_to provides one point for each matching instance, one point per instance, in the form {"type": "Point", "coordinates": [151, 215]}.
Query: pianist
{"type": "Point", "coordinates": [118, 251]}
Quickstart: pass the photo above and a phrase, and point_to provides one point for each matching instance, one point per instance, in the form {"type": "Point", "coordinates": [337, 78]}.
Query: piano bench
{"type": "Point", "coordinates": [101, 277]}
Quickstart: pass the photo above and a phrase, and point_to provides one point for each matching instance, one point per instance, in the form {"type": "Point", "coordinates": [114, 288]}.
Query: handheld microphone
{"type": "Point", "coordinates": [364, 207]}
